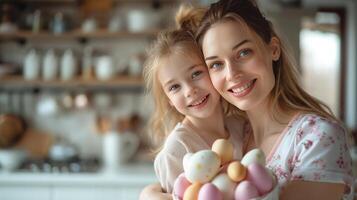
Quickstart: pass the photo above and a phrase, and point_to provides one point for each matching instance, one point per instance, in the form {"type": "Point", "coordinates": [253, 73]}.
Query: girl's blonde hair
{"type": "Point", "coordinates": [181, 39]}
{"type": "Point", "coordinates": [287, 93]}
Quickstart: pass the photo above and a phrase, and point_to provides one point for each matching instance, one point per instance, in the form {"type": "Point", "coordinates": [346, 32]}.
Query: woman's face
{"type": "Point", "coordinates": [186, 82]}
{"type": "Point", "coordinates": [240, 71]}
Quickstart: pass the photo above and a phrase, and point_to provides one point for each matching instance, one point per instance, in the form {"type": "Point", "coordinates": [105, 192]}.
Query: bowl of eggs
{"type": "Point", "coordinates": [214, 175]}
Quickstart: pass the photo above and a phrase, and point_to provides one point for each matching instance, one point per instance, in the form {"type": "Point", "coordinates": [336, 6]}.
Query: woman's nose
{"type": "Point", "coordinates": [233, 72]}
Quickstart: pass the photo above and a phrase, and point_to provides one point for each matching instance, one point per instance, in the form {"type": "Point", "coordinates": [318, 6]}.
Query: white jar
{"type": "Point", "coordinates": [31, 68]}
{"type": "Point", "coordinates": [68, 65]}
{"type": "Point", "coordinates": [50, 65]}
{"type": "Point", "coordinates": [110, 151]}
{"type": "Point", "coordinates": [89, 25]}
{"type": "Point", "coordinates": [104, 69]}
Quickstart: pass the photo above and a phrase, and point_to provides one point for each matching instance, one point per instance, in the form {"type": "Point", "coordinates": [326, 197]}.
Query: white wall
{"type": "Point", "coordinates": [351, 82]}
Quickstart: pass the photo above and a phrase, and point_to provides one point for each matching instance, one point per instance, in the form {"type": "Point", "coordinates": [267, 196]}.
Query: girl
{"type": "Point", "coordinates": [307, 147]}
{"type": "Point", "coordinates": [188, 115]}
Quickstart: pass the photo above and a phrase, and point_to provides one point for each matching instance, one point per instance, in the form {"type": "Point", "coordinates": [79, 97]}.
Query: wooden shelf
{"type": "Point", "coordinates": [76, 35]}
{"type": "Point", "coordinates": [120, 83]}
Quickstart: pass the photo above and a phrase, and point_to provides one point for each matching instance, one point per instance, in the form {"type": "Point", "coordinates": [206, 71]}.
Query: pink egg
{"type": "Point", "coordinates": [245, 190]}
{"type": "Point", "coordinates": [209, 192]}
{"type": "Point", "coordinates": [180, 186]}
{"type": "Point", "coordinates": [260, 177]}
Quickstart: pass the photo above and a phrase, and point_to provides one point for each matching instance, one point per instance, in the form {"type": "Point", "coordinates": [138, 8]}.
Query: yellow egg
{"type": "Point", "coordinates": [236, 171]}
{"type": "Point", "coordinates": [191, 192]}
{"type": "Point", "coordinates": [224, 149]}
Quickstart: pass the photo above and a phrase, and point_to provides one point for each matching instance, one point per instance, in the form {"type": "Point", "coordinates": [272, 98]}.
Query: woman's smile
{"type": "Point", "coordinates": [242, 90]}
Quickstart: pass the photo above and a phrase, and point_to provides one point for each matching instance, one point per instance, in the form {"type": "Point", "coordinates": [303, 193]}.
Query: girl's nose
{"type": "Point", "coordinates": [190, 90]}
{"type": "Point", "coordinates": [233, 71]}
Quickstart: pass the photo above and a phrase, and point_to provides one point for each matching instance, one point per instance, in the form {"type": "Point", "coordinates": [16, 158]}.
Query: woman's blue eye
{"type": "Point", "coordinates": [173, 87]}
{"type": "Point", "coordinates": [244, 53]}
{"type": "Point", "coordinates": [196, 73]}
{"type": "Point", "coordinates": [215, 65]}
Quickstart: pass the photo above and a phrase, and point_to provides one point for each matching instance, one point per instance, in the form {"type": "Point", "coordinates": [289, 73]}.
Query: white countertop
{"type": "Point", "coordinates": [131, 174]}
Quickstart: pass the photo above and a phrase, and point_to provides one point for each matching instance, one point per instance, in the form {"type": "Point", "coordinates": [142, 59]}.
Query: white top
{"type": "Point", "coordinates": [183, 139]}
{"type": "Point", "coordinates": [312, 148]}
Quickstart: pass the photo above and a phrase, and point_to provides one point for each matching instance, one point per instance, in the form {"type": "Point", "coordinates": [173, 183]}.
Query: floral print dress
{"type": "Point", "coordinates": [313, 148]}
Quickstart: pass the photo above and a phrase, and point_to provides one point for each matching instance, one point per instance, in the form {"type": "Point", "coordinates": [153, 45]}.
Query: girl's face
{"type": "Point", "coordinates": [241, 73]}
{"type": "Point", "coordinates": [186, 82]}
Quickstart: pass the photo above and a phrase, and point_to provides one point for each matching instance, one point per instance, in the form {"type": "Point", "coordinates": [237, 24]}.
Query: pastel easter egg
{"type": "Point", "coordinates": [202, 166]}
{"type": "Point", "coordinates": [260, 177]}
{"type": "Point", "coordinates": [236, 171]}
{"type": "Point", "coordinates": [225, 185]}
{"type": "Point", "coordinates": [209, 192]}
{"type": "Point", "coordinates": [224, 150]}
{"type": "Point", "coordinates": [186, 160]}
{"type": "Point", "coordinates": [253, 156]}
{"type": "Point", "coordinates": [245, 190]}
{"type": "Point", "coordinates": [180, 186]}
{"type": "Point", "coordinates": [192, 191]}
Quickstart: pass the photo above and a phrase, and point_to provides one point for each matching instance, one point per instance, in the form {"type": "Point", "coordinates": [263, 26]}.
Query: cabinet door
{"type": "Point", "coordinates": [25, 192]}
{"type": "Point", "coordinates": [131, 193]}
{"type": "Point", "coordinates": [86, 193]}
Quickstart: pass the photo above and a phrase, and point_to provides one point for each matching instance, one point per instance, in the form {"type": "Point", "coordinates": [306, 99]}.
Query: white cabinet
{"type": "Point", "coordinates": [94, 192]}
{"type": "Point", "coordinates": [25, 192]}
{"type": "Point", "coordinates": [131, 193]}
{"type": "Point", "coordinates": [87, 193]}
{"type": "Point", "coordinates": [126, 184]}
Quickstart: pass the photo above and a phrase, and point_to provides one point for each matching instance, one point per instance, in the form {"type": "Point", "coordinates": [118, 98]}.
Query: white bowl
{"type": "Point", "coordinates": [10, 159]}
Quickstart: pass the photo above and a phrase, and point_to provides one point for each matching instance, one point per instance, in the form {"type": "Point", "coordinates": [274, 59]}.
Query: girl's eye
{"type": "Point", "coordinates": [196, 73]}
{"type": "Point", "coordinates": [173, 87]}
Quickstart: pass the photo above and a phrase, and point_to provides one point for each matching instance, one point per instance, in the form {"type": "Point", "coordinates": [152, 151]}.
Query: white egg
{"type": "Point", "coordinates": [202, 166]}
{"type": "Point", "coordinates": [186, 160]}
{"type": "Point", "coordinates": [253, 156]}
{"type": "Point", "coordinates": [225, 185]}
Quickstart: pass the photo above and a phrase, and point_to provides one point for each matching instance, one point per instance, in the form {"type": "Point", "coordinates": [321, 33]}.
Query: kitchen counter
{"type": "Point", "coordinates": [126, 183]}
{"type": "Point", "coordinates": [131, 174]}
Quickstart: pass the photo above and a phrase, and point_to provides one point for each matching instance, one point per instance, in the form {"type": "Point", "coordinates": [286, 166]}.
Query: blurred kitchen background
{"type": "Point", "coordinates": [73, 107]}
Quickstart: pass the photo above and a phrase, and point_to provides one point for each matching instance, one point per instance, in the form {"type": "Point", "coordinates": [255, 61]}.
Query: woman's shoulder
{"type": "Point", "coordinates": [315, 121]}
{"type": "Point", "coordinates": [310, 126]}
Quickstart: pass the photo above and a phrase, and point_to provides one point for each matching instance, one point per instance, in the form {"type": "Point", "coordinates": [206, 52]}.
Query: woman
{"type": "Point", "coordinates": [306, 146]}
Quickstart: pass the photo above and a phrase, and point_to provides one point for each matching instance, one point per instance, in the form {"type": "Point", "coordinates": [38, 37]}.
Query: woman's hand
{"type": "Point", "coordinates": [154, 192]}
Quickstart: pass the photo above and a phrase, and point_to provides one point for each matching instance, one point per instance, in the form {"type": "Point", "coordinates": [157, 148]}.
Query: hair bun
{"type": "Point", "coordinates": [188, 17]}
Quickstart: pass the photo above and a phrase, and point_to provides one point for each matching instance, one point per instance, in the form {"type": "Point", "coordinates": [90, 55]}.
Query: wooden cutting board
{"type": "Point", "coordinates": [36, 143]}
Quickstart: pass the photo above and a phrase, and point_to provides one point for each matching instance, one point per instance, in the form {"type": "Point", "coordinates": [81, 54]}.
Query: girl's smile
{"type": "Point", "coordinates": [198, 104]}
